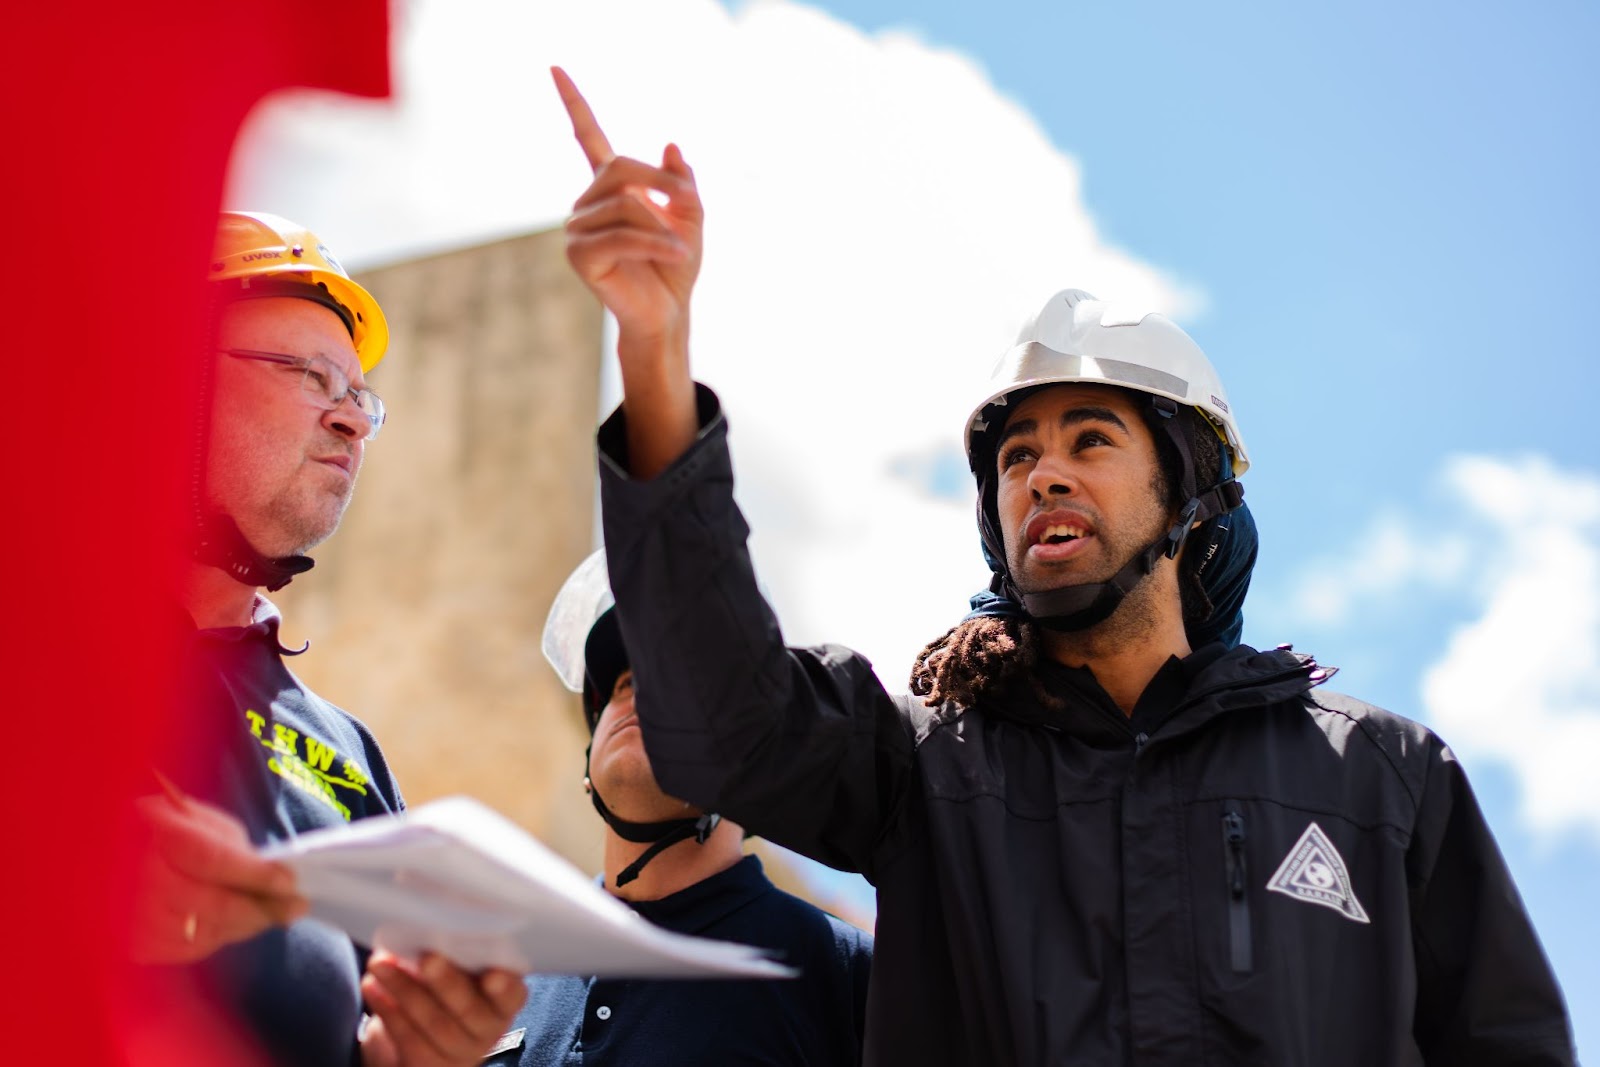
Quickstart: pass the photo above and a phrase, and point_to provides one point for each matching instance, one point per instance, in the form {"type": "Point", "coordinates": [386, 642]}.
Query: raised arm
{"type": "Point", "coordinates": [640, 255]}
{"type": "Point", "coordinates": [801, 746]}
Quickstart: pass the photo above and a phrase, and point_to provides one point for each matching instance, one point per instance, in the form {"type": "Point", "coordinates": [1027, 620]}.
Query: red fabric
{"type": "Point", "coordinates": [116, 121]}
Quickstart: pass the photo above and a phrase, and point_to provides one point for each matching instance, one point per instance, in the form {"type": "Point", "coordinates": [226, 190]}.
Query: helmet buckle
{"type": "Point", "coordinates": [1180, 529]}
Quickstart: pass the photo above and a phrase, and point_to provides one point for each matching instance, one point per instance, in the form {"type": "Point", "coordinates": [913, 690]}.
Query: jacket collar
{"type": "Point", "coordinates": [701, 906]}
{"type": "Point", "coordinates": [265, 619]}
{"type": "Point", "coordinates": [1184, 695]}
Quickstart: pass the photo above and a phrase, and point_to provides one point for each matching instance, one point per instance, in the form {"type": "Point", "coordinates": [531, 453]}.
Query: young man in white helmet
{"type": "Point", "coordinates": [283, 418]}
{"type": "Point", "coordinates": [1092, 842]}
{"type": "Point", "coordinates": [683, 869]}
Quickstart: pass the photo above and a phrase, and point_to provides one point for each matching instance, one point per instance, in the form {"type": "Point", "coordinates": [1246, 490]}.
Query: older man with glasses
{"type": "Point", "coordinates": [284, 416]}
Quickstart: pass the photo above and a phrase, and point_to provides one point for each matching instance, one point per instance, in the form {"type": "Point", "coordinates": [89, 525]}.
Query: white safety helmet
{"type": "Point", "coordinates": [583, 642]}
{"type": "Point", "coordinates": [1077, 338]}
{"type": "Point", "coordinates": [582, 638]}
{"type": "Point", "coordinates": [584, 597]}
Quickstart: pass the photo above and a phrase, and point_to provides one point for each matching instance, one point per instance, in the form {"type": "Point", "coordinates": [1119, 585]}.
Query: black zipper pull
{"type": "Point", "coordinates": [1233, 837]}
{"type": "Point", "coordinates": [1233, 834]}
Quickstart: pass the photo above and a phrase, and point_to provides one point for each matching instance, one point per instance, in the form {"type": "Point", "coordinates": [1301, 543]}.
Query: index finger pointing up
{"type": "Point", "coordinates": [590, 137]}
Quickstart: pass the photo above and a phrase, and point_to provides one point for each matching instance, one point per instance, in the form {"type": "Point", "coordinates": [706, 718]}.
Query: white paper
{"type": "Point", "coordinates": [456, 878]}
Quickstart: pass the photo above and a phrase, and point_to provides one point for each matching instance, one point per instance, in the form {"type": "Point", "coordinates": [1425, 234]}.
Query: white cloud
{"type": "Point", "coordinates": [879, 220]}
{"type": "Point", "coordinates": [1518, 684]}
{"type": "Point", "coordinates": [1521, 683]}
{"type": "Point", "coordinates": [1390, 559]}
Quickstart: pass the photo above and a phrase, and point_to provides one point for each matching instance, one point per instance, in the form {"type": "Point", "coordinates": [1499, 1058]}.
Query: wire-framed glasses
{"type": "Point", "coordinates": [323, 383]}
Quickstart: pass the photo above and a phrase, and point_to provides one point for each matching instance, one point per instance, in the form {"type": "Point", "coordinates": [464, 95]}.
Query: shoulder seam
{"type": "Point", "coordinates": [1366, 731]}
{"type": "Point", "coordinates": [921, 721]}
{"type": "Point", "coordinates": [938, 718]}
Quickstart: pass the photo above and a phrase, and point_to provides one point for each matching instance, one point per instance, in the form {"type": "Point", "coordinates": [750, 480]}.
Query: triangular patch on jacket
{"type": "Point", "coordinates": [1314, 872]}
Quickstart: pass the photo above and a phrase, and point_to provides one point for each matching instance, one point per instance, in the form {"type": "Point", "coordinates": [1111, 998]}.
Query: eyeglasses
{"type": "Point", "coordinates": [323, 383]}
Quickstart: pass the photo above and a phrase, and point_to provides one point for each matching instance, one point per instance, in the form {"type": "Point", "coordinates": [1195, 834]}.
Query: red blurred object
{"type": "Point", "coordinates": [117, 123]}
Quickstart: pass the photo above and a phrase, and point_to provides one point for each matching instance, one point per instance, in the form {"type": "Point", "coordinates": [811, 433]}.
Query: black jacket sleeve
{"type": "Point", "coordinates": [1485, 991]}
{"type": "Point", "coordinates": [801, 746]}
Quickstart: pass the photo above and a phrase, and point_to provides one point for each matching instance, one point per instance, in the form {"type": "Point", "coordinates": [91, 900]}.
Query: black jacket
{"type": "Point", "coordinates": [1247, 870]}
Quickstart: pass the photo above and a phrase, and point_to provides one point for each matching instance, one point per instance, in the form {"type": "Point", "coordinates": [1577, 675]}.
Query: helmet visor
{"type": "Point", "coordinates": [582, 600]}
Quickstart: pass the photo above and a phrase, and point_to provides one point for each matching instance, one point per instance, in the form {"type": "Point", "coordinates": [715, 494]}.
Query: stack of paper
{"type": "Point", "coordinates": [456, 878]}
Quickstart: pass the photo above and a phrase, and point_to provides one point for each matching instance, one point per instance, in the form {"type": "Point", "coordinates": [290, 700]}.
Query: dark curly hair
{"type": "Point", "coordinates": [994, 657]}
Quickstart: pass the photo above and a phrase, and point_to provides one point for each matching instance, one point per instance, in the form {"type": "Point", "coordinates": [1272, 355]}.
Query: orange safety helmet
{"type": "Point", "coordinates": [255, 247]}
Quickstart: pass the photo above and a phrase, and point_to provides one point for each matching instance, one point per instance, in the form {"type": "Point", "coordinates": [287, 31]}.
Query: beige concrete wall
{"type": "Point", "coordinates": [424, 611]}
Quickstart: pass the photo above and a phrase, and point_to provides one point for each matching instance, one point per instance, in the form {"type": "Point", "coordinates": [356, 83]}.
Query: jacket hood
{"type": "Point", "coordinates": [1245, 678]}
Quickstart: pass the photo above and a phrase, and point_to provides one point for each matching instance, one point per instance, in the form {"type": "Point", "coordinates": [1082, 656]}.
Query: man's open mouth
{"type": "Point", "coordinates": [1060, 534]}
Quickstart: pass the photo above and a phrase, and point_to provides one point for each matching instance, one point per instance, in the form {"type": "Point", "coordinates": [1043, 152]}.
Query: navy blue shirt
{"type": "Point", "coordinates": [811, 1021]}
{"type": "Point", "coordinates": [284, 761]}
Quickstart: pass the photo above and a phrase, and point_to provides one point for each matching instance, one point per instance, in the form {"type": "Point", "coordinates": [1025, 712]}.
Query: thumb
{"type": "Point", "coordinates": [672, 161]}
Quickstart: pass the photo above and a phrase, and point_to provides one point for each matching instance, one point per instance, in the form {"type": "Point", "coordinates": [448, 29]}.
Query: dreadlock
{"type": "Point", "coordinates": [990, 657]}
{"type": "Point", "coordinates": [993, 657]}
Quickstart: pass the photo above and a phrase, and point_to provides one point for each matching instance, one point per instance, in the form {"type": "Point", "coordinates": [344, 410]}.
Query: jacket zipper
{"type": "Point", "coordinates": [1238, 883]}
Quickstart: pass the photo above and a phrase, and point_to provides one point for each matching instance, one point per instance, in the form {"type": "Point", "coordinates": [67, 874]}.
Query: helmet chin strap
{"type": "Point", "coordinates": [218, 543]}
{"type": "Point", "coordinates": [1078, 607]}
{"type": "Point", "coordinates": [660, 836]}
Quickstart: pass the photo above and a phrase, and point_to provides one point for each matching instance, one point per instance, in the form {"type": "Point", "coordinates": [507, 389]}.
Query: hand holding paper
{"type": "Point", "coordinates": [430, 1013]}
{"type": "Point", "coordinates": [202, 885]}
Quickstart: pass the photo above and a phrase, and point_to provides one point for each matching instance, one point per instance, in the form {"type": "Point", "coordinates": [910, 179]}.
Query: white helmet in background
{"type": "Point", "coordinates": [583, 642]}
{"type": "Point", "coordinates": [585, 598]}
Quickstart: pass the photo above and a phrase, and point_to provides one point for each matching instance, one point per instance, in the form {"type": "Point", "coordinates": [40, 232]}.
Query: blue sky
{"type": "Point", "coordinates": [1376, 219]}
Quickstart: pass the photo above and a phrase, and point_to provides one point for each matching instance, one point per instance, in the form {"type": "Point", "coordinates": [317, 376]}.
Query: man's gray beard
{"type": "Point", "coordinates": [314, 537]}
{"type": "Point", "coordinates": [307, 533]}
